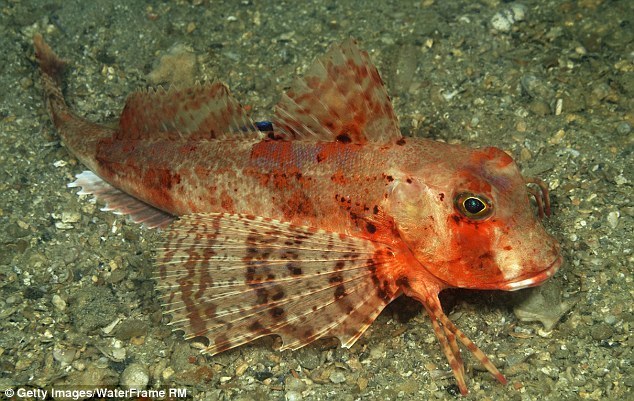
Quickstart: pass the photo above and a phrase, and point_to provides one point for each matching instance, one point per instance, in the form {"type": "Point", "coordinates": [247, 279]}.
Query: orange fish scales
{"type": "Point", "coordinates": [310, 230]}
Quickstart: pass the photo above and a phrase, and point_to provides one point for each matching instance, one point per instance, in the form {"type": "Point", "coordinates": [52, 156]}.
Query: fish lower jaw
{"type": "Point", "coordinates": [535, 279]}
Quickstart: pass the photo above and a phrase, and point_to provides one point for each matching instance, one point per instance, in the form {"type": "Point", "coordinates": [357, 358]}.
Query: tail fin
{"type": "Point", "coordinates": [52, 68]}
{"type": "Point", "coordinates": [78, 134]}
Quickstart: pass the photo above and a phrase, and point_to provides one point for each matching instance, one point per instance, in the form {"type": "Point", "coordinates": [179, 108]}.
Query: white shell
{"type": "Point", "coordinates": [504, 19]}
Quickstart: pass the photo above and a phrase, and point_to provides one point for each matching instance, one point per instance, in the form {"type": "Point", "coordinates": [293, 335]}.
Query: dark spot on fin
{"type": "Point", "coordinates": [273, 277]}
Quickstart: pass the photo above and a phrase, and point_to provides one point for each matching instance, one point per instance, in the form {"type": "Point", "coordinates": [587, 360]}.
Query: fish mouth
{"type": "Point", "coordinates": [534, 279]}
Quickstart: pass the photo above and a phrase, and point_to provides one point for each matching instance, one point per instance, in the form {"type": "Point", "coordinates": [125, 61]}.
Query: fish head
{"type": "Point", "coordinates": [467, 218]}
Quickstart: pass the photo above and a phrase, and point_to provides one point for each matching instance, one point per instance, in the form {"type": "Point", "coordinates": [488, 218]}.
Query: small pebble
{"type": "Point", "coordinates": [241, 369]}
{"type": "Point", "coordinates": [58, 302]}
{"type": "Point", "coordinates": [13, 299]}
{"type": "Point", "coordinates": [613, 219]}
{"type": "Point", "coordinates": [167, 373]}
{"type": "Point", "coordinates": [504, 19]}
{"type": "Point", "coordinates": [293, 384]}
{"type": "Point", "coordinates": [601, 332]}
{"type": "Point", "coordinates": [65, 356]}
{"type": "Point", "coordinates": [118, 354]}
{"type": "Point", "coordinates": [624, 128]}
{"type": "Point", "coordinates": [308, 358]}
{"type": "Point", "coordinates": [337, 377]}
{"type": "Point", "coordinates": [26, 83]}
{"type": "Point", "coordinates": [135, 376]}
{"type": "Point", "coordinates": [610, 319]}
{"type": "Point", "coordinates": [293, 396]}
{"type": "Point", "coordinates": [620, 180]}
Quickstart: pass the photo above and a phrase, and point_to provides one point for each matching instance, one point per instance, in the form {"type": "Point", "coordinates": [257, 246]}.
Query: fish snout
{"type": "Point", "coordinates": [539, 271]}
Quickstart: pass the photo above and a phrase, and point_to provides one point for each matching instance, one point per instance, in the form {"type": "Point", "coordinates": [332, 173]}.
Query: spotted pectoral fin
{"type": "Point", "coordinates": [119, 202]}
{"type": "Point", "coordinates": [201, 112]}
{"type": "Point", "coordinates": [234, 278]}
{"type": "Point", "coordinates": [340, 98]}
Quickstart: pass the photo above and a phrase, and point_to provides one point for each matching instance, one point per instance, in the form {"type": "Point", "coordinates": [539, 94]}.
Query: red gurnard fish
{"type": "Point", "coordinates": [311, 229]}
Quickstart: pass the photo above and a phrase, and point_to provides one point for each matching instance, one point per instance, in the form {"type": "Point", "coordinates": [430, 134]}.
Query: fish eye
{"type": "Point", "coordinates": [476, 207]}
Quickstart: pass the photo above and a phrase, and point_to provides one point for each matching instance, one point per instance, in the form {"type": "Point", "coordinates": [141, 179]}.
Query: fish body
{"type": "Point", "coordinates": [307, 230]}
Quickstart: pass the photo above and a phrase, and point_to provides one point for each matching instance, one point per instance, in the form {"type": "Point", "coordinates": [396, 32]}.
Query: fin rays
{"type": "Point", "coordinates": [340, 98]}
{"type": "Point", "coordinates": [271, 278]}
{"type": "Point", "coordinates": [203, 112]}
{"type": "Point", "coordinates": [119, 202]}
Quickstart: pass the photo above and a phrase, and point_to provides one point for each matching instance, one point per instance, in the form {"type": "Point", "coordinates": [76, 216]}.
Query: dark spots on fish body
{"type": "Point", "coordinates": [375, 278]}
{"type": "Point", "coordinates": [336, 279]}
{"type": "Point", "coordinates": [340, 292]}
{"type": "Point", "coordinates": [298, 204]}
{"type": "Point", "coordinates": [486, 255]}
{"type": "Point", "coordinates": [289, 254]}
{"type": "Point", "coordinates": [375, 209]}
{"type": "Point", "coordinates": [383, 294]}
{"type": "Point", "coordinates": [277, 312]}
{"type": "Point", "coordinates": [278, 295]}
{"type": "Point", "coordinates": [294, 269]}
{"type": "Point", "coordinates": [409, 180]}
{"type": "Point", "coordinates": [441, 196]}
{"type": "Point", "coordinates": [250, 274]}
{"type": "Point", "coordinates": [339, 265]}
{"type": "Point", "coordinates": [262, 296]}
{"type": "Point", "coordinates": [402, 282]}
{"type": "Point", "coordinates": [226, 202]}
{"type": "Point", "coordinates": [389, 178]}
{"type": "Point", "coordinates": [371, 265]}
{"type": "Point", "coordinates": [351, 255]}
{"type": "Point", "coordinates": [338, 178]}
{"type": "Point", "coordinates": [256, 326]}
{"type": "Point", "coordinates": [508, 248]}
{"type": "Point", "coordinates": [401, 142]}
{"type": "Point", "coordinates": [371, 228]}
{"type": "Point", "coordinates": [343, 138]}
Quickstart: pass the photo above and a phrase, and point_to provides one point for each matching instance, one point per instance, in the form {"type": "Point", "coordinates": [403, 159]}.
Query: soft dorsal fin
{"type": "Point", "coordinates": [120, 202]}
{"type": "Point", "coordinates": [340, 98]}
{"type": "Point", "coordinates": [206, 111]}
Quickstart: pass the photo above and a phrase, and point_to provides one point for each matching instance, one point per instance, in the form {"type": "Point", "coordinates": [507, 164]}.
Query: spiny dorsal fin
{"type": "Point", "coordinates": [206, 111]}
{"type": "Point", "coordinates": [234, 278]}
{"type": "Point", "coordinates": [340, 98]}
